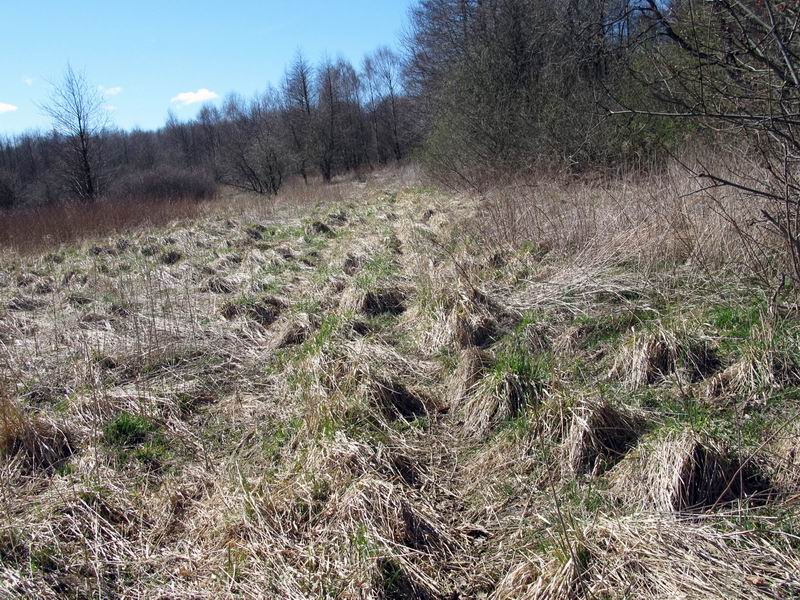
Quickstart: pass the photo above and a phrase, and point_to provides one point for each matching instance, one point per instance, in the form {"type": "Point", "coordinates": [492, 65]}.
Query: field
{"type": "Point", "coordinates": [391, 390]}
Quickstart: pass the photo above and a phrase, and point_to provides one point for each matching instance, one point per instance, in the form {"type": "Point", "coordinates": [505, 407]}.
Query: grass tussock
{"type": "Point", "coordinates": [767, 362]}
{"type": "Point", "coordinates": [472, 365]}
{"type": "Point", "coordinates": [293, 331]}
{"type": "Point", "coordinates": [782, 459]}
{"type": "Point", "coordinates": [519, 378]}
{"type": "Point", "coordinates": [660, 353]}
{"type": "Point", "coordinates": [459, 318]}
{"type": "Point", "coordinates": [600, 435]}
{"type": "Point", "coordinates": [637, 553]}
{"type": "Point", "coordinates": [540, 580]}
{"type": "Point", "coordinates": [35, 443]}
{"type": "Point", "coordinates": [373, 302]}
{"type": "Point", "coordinates": [683, 471]}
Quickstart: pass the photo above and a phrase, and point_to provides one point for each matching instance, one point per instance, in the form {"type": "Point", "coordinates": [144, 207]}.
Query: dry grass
{"type": "Point", "coordinates": [782, 459]}
{"type": "Point", "coordinates": [30, 230]}
{"type": "Point", "coordinates": [499, 397]}
{"type": "Point", "coordinates": [661, 353]}
{"type": "Point", "coordinates": [648, 556]}
{"type": "Point", "coordinates": [637, 554]}
{"type": "Point", "coordinates": [600, 435]}
{"type": "Point", "coordinates": [472, 365]}
{"type": "Point", "coordinates": [36, 229]}
{"type": "Point", "coordinates": [34, 443]}
{"type": "Point", "coordinates": [353, 394]}
{"type": "Point", "coordinates": [663, 219]}
{"type": "Point", "coordinates": [766, 365]}
{"type": "Point", "coordinates": [684, 472]}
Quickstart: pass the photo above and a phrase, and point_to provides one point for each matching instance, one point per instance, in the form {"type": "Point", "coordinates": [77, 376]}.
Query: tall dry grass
{"type": "Point", "coordinates": [652, 220]}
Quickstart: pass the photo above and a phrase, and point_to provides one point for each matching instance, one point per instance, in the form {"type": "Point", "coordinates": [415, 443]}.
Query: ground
{"type": "Point", "coordinates": [379, 397]}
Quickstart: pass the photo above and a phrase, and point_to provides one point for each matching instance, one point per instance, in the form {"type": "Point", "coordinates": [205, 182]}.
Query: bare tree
{"type": "Point", "coordinates": [388, 67]}
{"type": "Point", "coordinates": [79, 118]}
{"type": "Point", "coordinates": [325, 119]}
{"type": "Point", "coordinates": [369, 77]}
{"type": "Point", "coordinates": [298, 105]}
{"type": "Point", "coordinates": [251, 157]}
{"type": "Point", "coordinates": [327, 133]}
{"type": "Point", "coordinates": [355, 132]}
{"type": "Point", "coordinates": [733, 67]}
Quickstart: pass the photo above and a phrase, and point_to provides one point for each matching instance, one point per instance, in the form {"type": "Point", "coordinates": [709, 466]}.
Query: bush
{"type": "Point", "coordinates": [165, 183]}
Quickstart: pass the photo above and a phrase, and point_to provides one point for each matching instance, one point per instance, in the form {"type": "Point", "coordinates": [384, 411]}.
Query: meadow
{"type": "Point", "coordinates": [568, 387]}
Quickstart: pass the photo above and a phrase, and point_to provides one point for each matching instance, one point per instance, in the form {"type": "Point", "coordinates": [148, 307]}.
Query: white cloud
{"type": "Point", "coordinates": [109, 107]}
{"type": "Point", "coordinates": [29, 81]}
{"type": "Point", "coordinates": [110, 91]}
{"type": "Point", "coordinates": [7, 108]}
{"type": "Point", "coordinates": [187, 98]}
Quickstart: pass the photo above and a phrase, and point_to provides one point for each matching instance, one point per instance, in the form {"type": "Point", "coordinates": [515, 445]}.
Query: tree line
{"type": "Point", "coordinates": [320, 121]}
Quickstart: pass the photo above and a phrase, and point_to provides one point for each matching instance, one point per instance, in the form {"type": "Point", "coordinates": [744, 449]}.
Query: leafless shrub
{"type": "Point", "coordinates": [731, 68]}
{"type": "Point", "coordinates": [31, 229]}
{"type": "Point", "coordinates": [164, 184]}
{"type": "Point", "coordinates": [8, 193]}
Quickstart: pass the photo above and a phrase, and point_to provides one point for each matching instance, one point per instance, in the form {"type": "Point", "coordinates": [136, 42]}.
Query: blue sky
{"type": "Point", "coordinates": [150, 56]}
